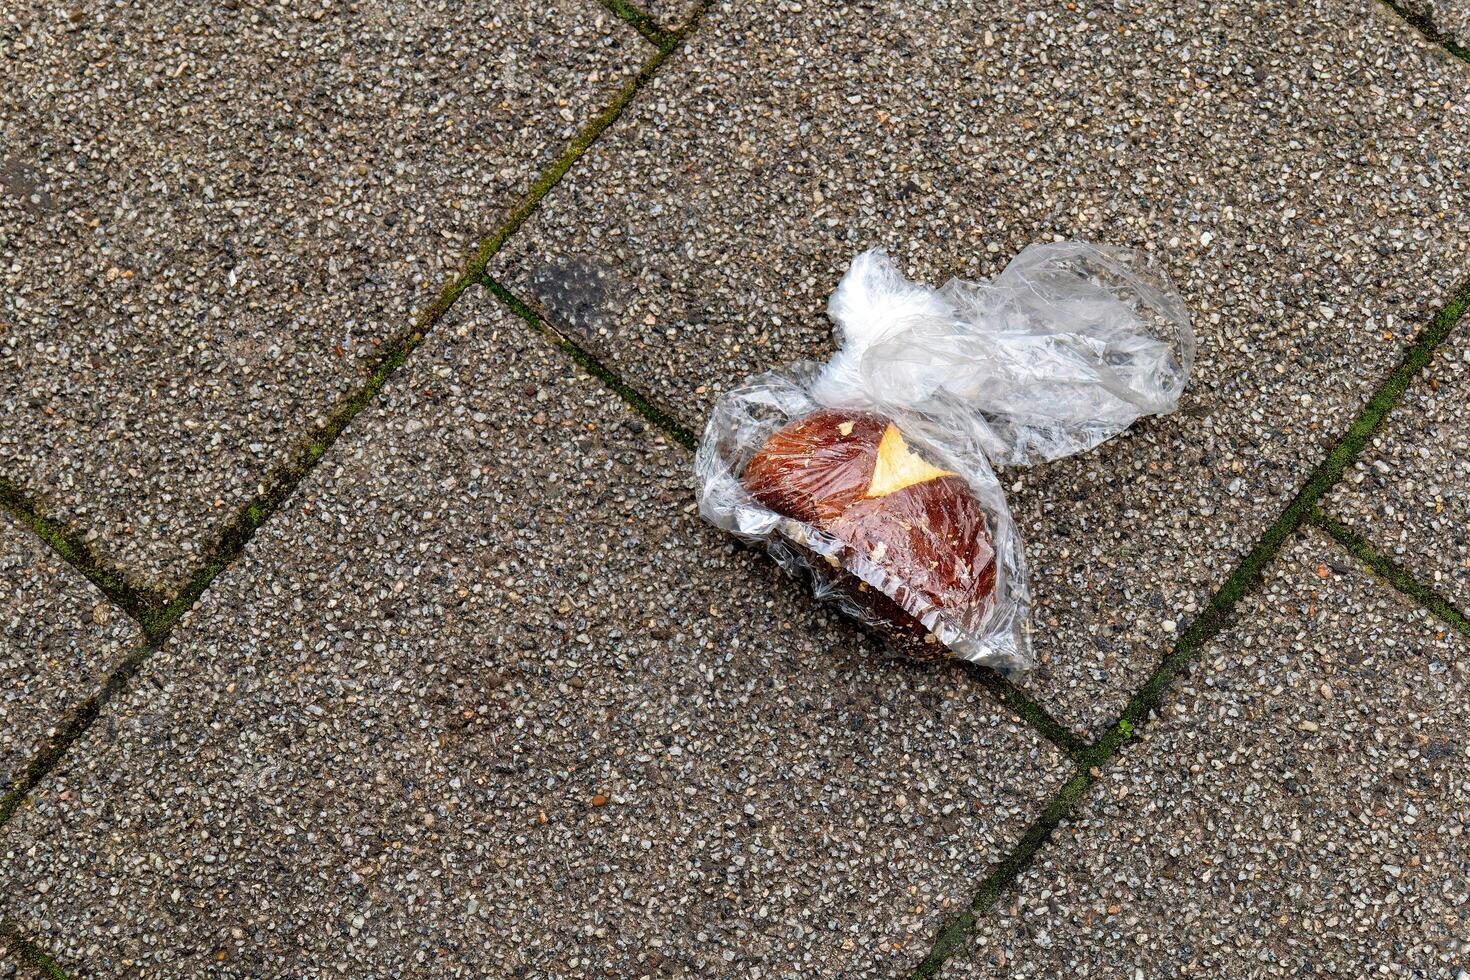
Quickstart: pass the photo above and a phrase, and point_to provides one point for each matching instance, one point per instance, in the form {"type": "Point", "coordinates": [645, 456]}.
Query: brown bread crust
{"type": "Point", "coordinates": [931, 535]}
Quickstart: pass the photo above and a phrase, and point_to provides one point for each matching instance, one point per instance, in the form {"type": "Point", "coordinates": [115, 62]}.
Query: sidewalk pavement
{"type": "Point", "coordinates": [356, 616]}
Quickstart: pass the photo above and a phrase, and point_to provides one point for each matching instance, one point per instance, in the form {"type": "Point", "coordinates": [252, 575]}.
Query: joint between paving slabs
{"type": "Point", "coordinates": [1391, 571]}
{"type": "Point", "coordinates": [158, 616]}
{"type": "Point", "coordinates": [76, 722]}
{"type": "Point", "coordinates": [640, 21]}
{"type": "Point", "coordinates": [1219, 613]}
{"type": "Point", "coordinates": [23, 949]}
{"type": "Point", "coordinates": [1002, 690]}
{"type": "Point", "coordinates": [1425, 25]}
{"type": "Point", "coordinates": [474, 269]}
{"type": "Point", "coordinates": [303, 457]}
{"type": "Point", "coordinates": [561, 339]}
{"type": "Point", "coordinates": [72, 548]}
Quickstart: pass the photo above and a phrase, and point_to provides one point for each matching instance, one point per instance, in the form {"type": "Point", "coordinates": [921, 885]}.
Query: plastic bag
{"type": "Point", "coordinates": [872, 476]}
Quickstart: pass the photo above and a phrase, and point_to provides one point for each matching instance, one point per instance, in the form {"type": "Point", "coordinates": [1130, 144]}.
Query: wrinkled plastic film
{"type": "Point", "coordinates": [1064, 349]}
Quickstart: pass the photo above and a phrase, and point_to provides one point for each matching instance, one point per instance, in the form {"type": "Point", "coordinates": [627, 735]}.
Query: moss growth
{"type": "Point", "coordinates": [641, 22]}
{"type": "Point", "coordinates": [1393, 573]}
{"type": "Point", "coordinates": [29, 953]}
{"type": "Point", "coordinates": [158, 616]}
{"type": "Point", "coordinates": [1425, 25]}
{"type": "Point", "coordinates": [76, 552]}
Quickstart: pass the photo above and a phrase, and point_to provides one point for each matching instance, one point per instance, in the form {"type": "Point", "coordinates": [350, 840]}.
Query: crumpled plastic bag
{"type": "Point", "coordinates": [872, 477]}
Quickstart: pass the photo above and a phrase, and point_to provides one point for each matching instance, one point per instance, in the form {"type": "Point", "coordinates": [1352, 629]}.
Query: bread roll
{"type": "Point", "coordinates": [853, 476]}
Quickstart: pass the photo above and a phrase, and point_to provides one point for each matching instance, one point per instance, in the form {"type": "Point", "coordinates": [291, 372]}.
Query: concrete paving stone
{"type": "Point", "coordinates": [1299, 167]}
{"type": "Point", "coordinates": [211, 214]}
{"type": "Point", "coordinates": [1407, 493]}
{"type": "Point", "coordinates": [1301, 808]}
{"type": "Point", "coordinates": [58, 636]}
{"type": "Point", "coordinates": [486, 698]}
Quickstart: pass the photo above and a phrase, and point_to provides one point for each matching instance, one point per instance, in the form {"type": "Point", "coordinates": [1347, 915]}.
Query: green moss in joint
{"type": "Point", "coordinates": [72, 549]}
{"type": "Point", "coordinates": [1392, 572]}
{"type": "Point", "coordinates": [1422, 23]}
{"type": "Point", "coordinates": [635, 399]}
{"type": "Point", "coordinates": [641, 22]}
{"type": "Point", "coordinates": [29, 953]}
{"type": "Point", "coordinates": [77, 721]}
{"type": "Point", "coordinates": [956, 932]}
{"type": "Point", "coordinates": [1012, 697]}
{"type": "Point", "coordinates": [157, 617]}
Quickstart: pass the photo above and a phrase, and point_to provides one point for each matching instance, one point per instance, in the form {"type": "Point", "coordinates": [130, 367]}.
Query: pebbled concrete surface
{"type": "Point", "coordinates": [1301, 808]}
{"type": "Point", "coordinates": [58, 636]}
{"type": "Point", "coordinates": [486, 698]}
{"type": "Point", "coordinates": [1407, 495]}
{"type": "Point", "coordinates": [211, 214]}
{"type": "Point", "coordinates": [1298, 166]}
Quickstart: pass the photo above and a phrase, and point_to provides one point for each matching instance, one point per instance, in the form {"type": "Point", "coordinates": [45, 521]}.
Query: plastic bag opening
{"type": "Point", "coordinates": [871, 476]}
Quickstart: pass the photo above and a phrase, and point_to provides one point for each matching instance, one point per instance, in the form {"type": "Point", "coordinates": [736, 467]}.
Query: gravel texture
{"type": "Point", "coordinates": [1302, 808]}
{"type": "Point", "coordinates": [1300, 167]}
{"type": "Point", "coordinates": [58, 636]}
{"type": "Point", "coordinates": [1407, 493]}
{"type": "Point", "coordinates": [212, 213]}
{"type": "Point", "coordinates": [487, 699]}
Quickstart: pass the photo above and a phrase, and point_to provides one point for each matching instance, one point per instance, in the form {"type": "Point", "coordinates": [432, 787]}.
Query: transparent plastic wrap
{"type": "Point", "coordinates": [871, 475]}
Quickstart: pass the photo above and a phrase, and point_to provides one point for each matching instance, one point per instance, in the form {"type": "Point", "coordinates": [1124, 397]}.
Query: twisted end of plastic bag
{"type": "Point", "coordinates": [1064, 349]}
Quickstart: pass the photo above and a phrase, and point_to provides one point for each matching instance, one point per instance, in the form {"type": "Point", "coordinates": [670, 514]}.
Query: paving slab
{"type": "Point", "coordinates": [1301, 807]}
{"type": "Point", "coordinates": [1408, 492]}
{"type": "Point", "coordinates": [486, 698]}
{"type": "Point", "coordinates": [212, 214]}
{"type": "Point", "coordinates": [58, 636]}
{"type": "Point", "coordinates": [1300, 168]}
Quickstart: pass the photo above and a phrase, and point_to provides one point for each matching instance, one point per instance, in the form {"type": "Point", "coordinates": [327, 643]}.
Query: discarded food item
{"type": "Point", "coordinates": [871, 475]}
{"type": "Point", "coordinates": [853, 476]}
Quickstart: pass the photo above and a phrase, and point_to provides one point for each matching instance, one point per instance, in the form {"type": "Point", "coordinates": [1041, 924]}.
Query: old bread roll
{"type": "Point", "coordinates": [853, 476]}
